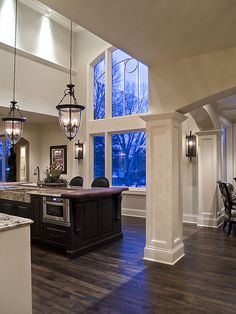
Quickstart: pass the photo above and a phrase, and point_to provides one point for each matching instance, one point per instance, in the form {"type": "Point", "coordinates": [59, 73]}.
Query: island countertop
{"type": "Point", "coordinates": [21, 192]}
{"type": "Point", "coordinates": [11, 222]}
{"type": "Point", "coordinates": [75, 193]}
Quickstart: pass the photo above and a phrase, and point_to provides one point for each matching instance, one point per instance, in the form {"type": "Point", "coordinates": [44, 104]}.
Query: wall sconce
{"type": "Point", "coordinates": [79, 150]}
{"type": "Point", "coordinates": [190, 143]}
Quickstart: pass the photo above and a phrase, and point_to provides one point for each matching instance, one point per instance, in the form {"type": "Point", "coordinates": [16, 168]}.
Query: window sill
{"type": "Point", "coordinates": [133, 191]}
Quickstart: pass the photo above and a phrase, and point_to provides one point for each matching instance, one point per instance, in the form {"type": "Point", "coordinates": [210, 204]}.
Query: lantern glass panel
{"type": "Point", "coordinates": [13, 130]}
{"type": "Point", "coordinates": [69, 119]}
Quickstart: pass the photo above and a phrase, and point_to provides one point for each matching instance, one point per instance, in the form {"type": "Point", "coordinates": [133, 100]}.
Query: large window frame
{"type": "Point", "coordinates": [109, 125]}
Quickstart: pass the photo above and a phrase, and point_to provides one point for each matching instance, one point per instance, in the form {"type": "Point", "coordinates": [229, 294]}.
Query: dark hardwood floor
{"type": "Point", "coordinates": [115, 279]}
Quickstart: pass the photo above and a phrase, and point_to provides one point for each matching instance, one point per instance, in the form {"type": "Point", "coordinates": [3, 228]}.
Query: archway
{"type": "Point", "coordinates": [22, 160]}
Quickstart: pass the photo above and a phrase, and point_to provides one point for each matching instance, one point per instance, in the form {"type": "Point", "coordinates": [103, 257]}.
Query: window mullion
{"type": "Point", "coordinates": [108, 91]}
{"type": "Point", "coordinates": [108, 157]}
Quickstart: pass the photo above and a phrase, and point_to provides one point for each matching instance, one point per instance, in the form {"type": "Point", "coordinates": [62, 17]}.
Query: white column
{"type": "Point", "coordinates": [208, 173]}
{"type": "Point", "coordinates": [164, 189]}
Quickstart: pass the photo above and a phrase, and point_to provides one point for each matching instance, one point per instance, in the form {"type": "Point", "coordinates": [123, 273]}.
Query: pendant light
{"type": "Point", "coordinates": [70, 112]}
{"type": "Point", "coordinates": [13, 123]}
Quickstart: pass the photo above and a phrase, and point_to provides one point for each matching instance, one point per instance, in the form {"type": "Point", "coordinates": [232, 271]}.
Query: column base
{"type": "Point", "coordinates": [204, 221]}
{"type": "Point", "coordinates": [164, 256]}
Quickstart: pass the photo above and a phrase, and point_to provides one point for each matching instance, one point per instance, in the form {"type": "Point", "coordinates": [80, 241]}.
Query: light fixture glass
{"type": "Point", "coordinates": [13, 123]}
{"type": "Point", "coordinates": [70, 112]}
{"type": "Point", "coordinates": [79, 150]}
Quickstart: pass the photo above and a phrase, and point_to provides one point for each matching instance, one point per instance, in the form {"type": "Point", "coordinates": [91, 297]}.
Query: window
{"type": "Point", "coordinates": [99, 156]}
{"type": "Point", "coordinates": [7, 160]}
{"type": "Point", "coordinates": [119, 86]}
{"type": "Point", "coordinates": [129, 85]}
{"type": "Point", "coordinates": [99, 90]}
{"type": "Point", "coordinates": [129, 159]}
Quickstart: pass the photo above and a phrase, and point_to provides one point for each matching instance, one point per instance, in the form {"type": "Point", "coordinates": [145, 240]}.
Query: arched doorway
{"type": "Point", "coordinates": [22, 160]}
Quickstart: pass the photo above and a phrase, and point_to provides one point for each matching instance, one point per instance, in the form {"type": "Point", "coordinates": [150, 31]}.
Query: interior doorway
{"type": "Point", "coordinates": [22, 160]}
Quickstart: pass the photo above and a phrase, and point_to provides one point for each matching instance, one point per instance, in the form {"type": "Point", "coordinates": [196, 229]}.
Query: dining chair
{"type": "Point", "coordinates": [229, 206]}
{"type": "Point", "coordinates": [76, 181]}
{"type": "Point", "coordinates": [101, 182]}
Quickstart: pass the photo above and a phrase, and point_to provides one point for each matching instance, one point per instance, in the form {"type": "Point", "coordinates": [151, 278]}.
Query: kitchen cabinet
{"type": "Point", "coordinates": [15, 208]}
{"type": "Point", "coordinates": [94, 219]}
{"type": "Point", "coordinates": [37, 216]}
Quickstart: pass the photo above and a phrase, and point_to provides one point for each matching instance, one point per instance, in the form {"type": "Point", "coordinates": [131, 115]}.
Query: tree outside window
{"type": "Point", "coordinates": [129, 96]}
{"type": "Point", "coordinates": [129, 159]}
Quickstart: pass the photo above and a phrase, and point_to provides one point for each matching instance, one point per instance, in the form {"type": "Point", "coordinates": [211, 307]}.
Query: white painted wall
{"type": "Point", "coordinates": [36, 34]}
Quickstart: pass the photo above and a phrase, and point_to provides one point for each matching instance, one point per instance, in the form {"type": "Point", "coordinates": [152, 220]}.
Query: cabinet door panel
{"type": "Point", "coordinates": [23, 210]}
{"type": "Point", "coordinates": [8, 207]}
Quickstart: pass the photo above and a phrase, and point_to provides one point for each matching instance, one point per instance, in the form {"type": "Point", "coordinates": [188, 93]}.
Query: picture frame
{"type": "Point", "coordinates": [59, 154]}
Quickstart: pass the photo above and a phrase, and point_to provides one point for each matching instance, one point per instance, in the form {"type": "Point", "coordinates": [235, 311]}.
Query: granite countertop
{"type": "Point", "coordinates": [21, 193]}
{"type": "Point", "coordinates": [11, 222]}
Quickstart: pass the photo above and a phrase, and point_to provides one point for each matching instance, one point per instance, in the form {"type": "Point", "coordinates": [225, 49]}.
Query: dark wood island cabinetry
{"type": "Point", "coordinates": [95, 218]}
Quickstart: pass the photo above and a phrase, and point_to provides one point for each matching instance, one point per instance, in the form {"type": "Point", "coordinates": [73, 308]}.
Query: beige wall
{"type": "Point", "coordinates": [51, 135]}
{"type": "Point", "coordinates": [178, 83]}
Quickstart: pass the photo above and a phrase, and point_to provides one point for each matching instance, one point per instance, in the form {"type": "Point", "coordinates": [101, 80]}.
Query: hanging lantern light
{"type": "Point", "coordinates": [13, 123]}
{"type": "Point", "coordinates": [70, 112]}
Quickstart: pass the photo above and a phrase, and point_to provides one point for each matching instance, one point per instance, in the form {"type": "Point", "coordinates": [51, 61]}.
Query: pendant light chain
{"type": "Point", "coordinates": [14, 64]}
{"type": "Point", "coordinates": [70, 51]}
{"type": "Point", "coordinates": [13, 123]}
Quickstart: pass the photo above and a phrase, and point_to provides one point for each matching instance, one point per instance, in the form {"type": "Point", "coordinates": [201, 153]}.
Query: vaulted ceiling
{"type": "Point", "coordinates": [156, 30]}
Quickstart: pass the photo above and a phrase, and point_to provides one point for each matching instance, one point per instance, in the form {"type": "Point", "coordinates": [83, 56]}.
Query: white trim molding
{"type": "Point", "coordinates": [190, 219]}
{"type": "Point", "coordinates": [37, 59]}
{"type": "Point", "coordinates": [131, 212]}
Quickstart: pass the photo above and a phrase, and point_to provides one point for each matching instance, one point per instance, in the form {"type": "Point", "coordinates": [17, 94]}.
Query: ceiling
{"type": "Point", "coordinates": [32, 117]}
{"type": "Point", "coordinates": [156, 30]}
{"type": "Point", "coordinates": [227, 107]}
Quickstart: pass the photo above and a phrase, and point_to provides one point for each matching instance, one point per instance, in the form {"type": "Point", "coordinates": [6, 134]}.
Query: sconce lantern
{"type": "Point", "coordinates": [190, 145]}
{"type": "Point", "coordinates": [79, 150]}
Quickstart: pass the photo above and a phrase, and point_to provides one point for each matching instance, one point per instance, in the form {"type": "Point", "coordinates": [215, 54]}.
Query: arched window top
{"type": "Point", "coordinates": [129, 85]}
{"type": "Point", "coordinates": [128, 88]}
{"type": "Point", "coordinates": [99, 89]}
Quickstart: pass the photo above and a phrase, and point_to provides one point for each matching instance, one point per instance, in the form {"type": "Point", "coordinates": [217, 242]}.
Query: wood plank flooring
{"type": "Point", "coordinates": [115, 279]}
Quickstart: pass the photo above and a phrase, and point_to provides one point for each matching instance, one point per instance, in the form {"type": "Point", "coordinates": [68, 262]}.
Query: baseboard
{"type": "Point", "coordinates": [209, 222]}
{"type": "Point", "coordinates": [133, 212]}
{"type": "Point", "coordinates": [164, 256]}
{"type": "Point", "coordinates": [190, 219]}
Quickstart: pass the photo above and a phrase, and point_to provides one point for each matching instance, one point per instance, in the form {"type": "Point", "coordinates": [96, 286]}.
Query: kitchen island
{"type": "Point", "coordinates": [15, 265]}
{"type": "Point", "coordinates": [76, 220]}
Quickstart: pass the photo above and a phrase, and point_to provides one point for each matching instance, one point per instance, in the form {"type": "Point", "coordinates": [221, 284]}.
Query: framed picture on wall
{"type": "Point", "coordinates": [58, 154]}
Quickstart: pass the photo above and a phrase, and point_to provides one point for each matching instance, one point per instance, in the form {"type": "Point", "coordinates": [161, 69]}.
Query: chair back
{"type": "Point", "coordinates": [226, 196]}
{"type": "Point", "coordinates": [76, 181]}
{"type": "Point", "coordinates": [101, 182]}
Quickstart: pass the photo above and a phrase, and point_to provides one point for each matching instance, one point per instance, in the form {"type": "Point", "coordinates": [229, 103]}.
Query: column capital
{"type": "Point", "coordinates": [174, 115]}
{"type": "Point", "coordinates": [208, 132]}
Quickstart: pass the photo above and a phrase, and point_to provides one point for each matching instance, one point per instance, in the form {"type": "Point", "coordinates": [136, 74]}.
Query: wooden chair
{"type": "Point", "coordinates": [229, 206]}
{"type": "Point", "coordinates": [76, 181]}
{"type": "Point", "coordinates": [101, 182]}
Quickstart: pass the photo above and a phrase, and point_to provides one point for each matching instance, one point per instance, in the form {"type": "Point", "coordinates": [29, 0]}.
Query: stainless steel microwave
{"type": "Point", "coordinates": [56, 210]}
